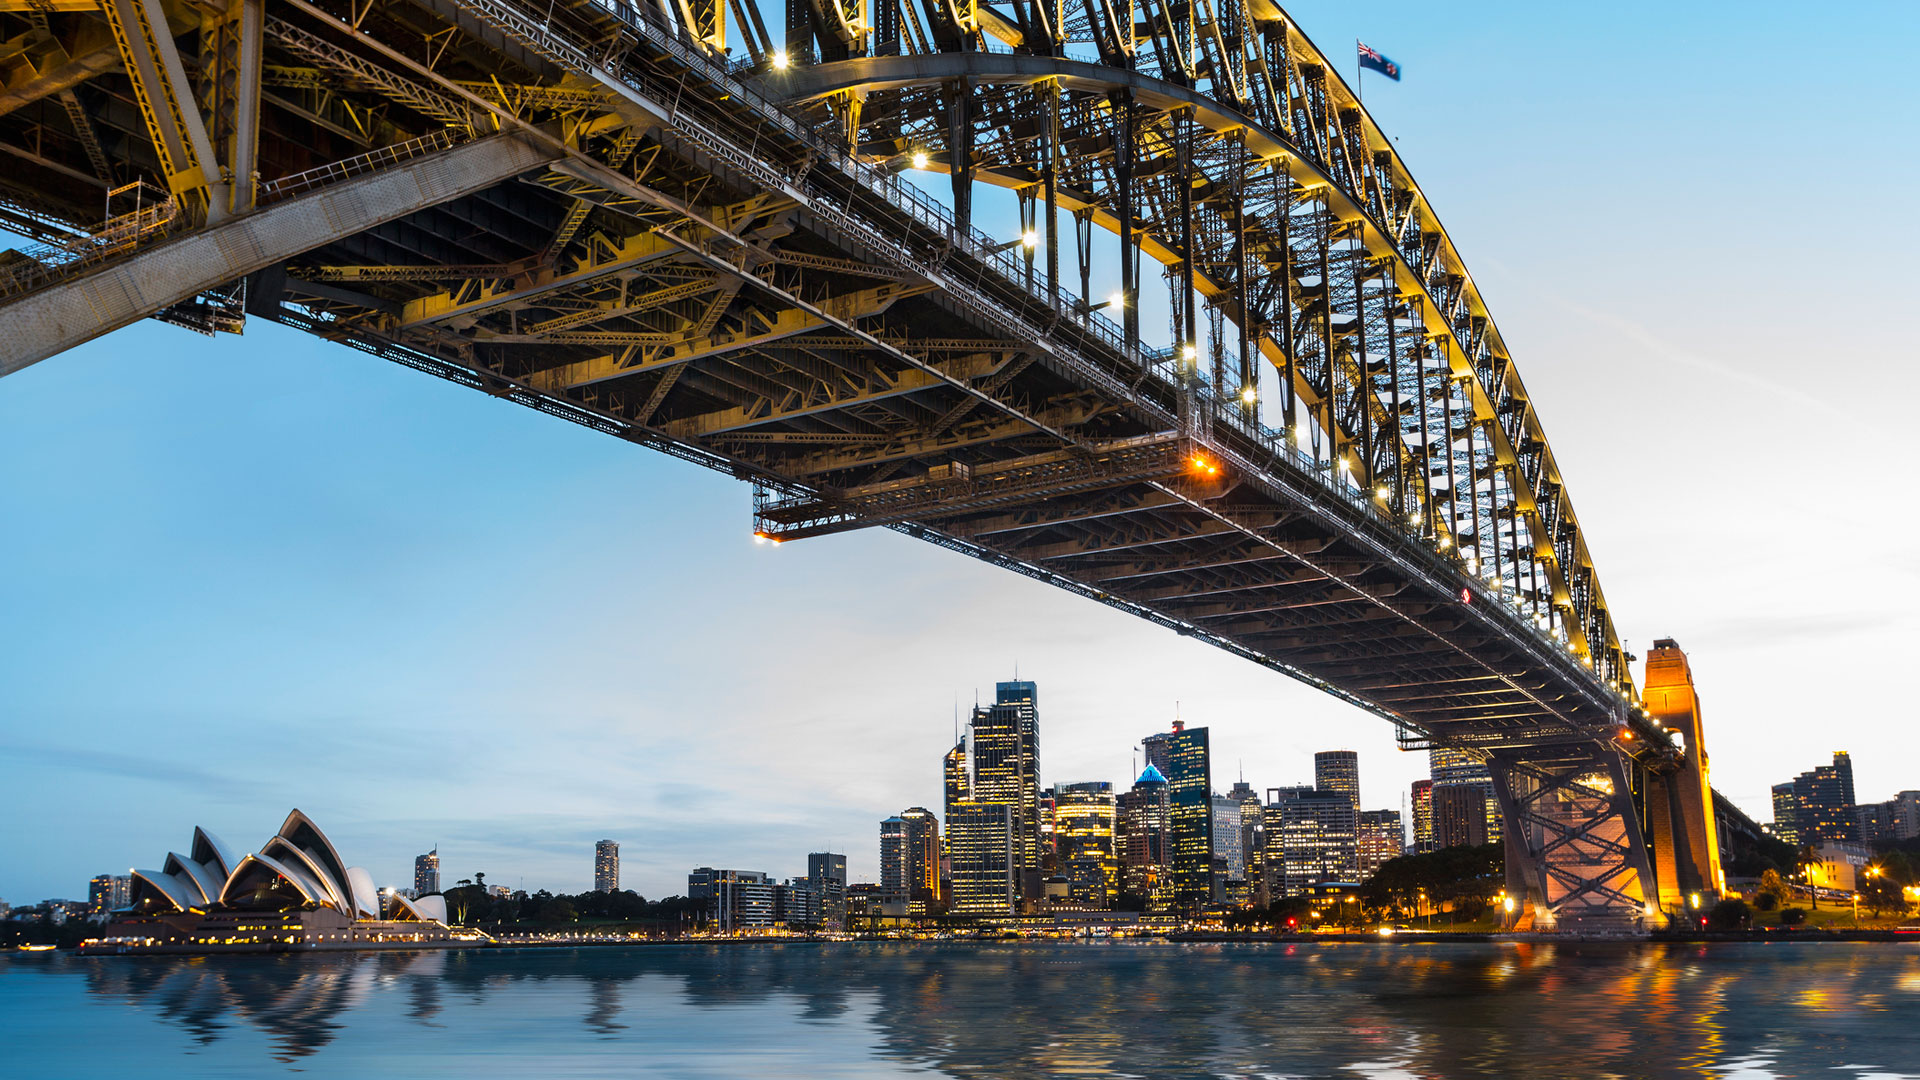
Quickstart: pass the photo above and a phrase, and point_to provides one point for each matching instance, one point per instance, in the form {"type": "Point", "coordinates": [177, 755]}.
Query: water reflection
{"type": "Point", "coordinates": [1235, 1011]}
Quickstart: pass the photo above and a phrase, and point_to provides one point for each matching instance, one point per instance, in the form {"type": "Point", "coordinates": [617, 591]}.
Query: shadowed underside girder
{"type": "Point", "coordinates": [1340, 476]}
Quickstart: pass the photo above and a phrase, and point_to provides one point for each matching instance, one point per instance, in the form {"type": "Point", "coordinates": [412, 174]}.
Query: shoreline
{"type": "Point", "coordinates": [1909, 936]}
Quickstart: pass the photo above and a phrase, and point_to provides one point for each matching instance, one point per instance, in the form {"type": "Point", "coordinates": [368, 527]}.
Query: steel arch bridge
{"type": "Point", "coordinates": [596, 210]}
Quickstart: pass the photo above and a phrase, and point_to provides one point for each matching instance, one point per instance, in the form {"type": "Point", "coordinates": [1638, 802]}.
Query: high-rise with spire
{"type": "Point", "coordinates": [1006, 765]}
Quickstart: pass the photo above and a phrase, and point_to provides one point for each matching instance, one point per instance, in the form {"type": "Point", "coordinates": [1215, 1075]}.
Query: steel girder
{"type": "Point", "coordinates": [692, 268]}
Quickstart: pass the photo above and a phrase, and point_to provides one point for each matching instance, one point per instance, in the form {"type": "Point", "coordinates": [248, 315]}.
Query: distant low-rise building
{"type": "Point", "coordinates": [735, 899]}
{"type": "Point", "coordinates": [109, 893]}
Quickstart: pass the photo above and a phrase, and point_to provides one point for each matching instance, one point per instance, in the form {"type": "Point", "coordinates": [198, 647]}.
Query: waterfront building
{"type": "Point", "coordinates": [1312, 840]}
{"type": "Point", "coordinates": [827, 877]}
{"type": "Point", "coordinates": [295, 892]}
{"type": "Point", "coordinates": [796, 905]}
{"type": "Point", "coordinates": [109, 893]}
{"type": "Point", "coordinates": [910, 859]}
{"type": "Point", "coordinates": [426, 873]}
{"type": "Point", "coordinates": [1190, 816]}
{"type": "Point", "coordinates": [1459, 816]}
{"type": "Point", "coordinates": [1143, 837]}
{"type": "Point", "coordinates": [1381, 837]}
{"type": "Point", "coordinates": [1422, 816]}
{"type": "Point", "coordinates": [1338, 771]}
{"type": "Point", "coordinates": [1228, 842]}
{"type": "Point", "coordinates": [735, 899]}
{"type": "Point", "coordinates": [606, 866]}
{"type": "Point", "coordinates": [1458, 768]}
{"type": "Point", "coordinates": [1084, 827]}
{"type": "Point", "coordinates": [981, 852]}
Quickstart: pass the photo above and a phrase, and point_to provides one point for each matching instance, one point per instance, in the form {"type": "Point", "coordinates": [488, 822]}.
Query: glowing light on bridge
{"type": "Point", "coordinates": [780, 60]}
{"type": "Point", "coordinates": [919, 159]}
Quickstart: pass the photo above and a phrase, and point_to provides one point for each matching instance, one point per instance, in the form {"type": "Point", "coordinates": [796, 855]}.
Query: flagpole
{"type": "Point", "coordinates": [1359, 74]}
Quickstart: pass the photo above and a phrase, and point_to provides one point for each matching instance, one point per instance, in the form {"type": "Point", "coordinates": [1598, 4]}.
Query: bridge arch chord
{"type": "Point", "coordinates": [1308, 234]}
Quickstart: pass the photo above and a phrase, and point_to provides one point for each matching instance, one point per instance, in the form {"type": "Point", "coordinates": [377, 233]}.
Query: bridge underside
{"type": "Point", "coordinates": [627, 237]}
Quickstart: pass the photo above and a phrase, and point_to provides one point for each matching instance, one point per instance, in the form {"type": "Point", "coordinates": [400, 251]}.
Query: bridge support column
{"type": "Point", "coordinates": [69, 313]}
{"type": "Point", "coordinates": [1679, 804]}
{"type": "Point", "coordinates": [1573, 833]}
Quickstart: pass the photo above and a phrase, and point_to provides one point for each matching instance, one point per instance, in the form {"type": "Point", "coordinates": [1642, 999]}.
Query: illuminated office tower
{"type": "Point", "coordinates": [1190, 816]}
{"type": "Point", "coordinates": [980, 858]}
{"type": "Point", "coordinates": [1311, 841]}
{"type": "Point", "coordinates": [1338, 771]}
{"type": "Point", "coordinates": [1144, 841]}
{"type": "Point", "coordinates": [1456, 768]}
{"type": "Point", "coordinates": [1422, 816]}
{"type": "Point", "coordinates": [1250, 853]}
{"type": "Point", "coordinates": [1380, 837]}
{"type": "Point", "coordinates": [606, 866]}
{"type": "Point", "coordinates": [426, 873]}
{"type": "Point", "coordinates": [910, 859]}
{"type": "Point", "coordinates": [827, 878]}
{"type": "Point", "coordinates": [1786, 813]}
{"type": "Point", "coordinates": [1227, 838]}
{"type": "Point", "coordinates": [1084, 824]}
{"type": "Point", "coordinates": [1005, 751]}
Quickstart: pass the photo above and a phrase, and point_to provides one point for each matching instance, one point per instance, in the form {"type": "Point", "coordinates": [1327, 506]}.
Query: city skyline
{"type": "Point", "coordinates": [292, 554]}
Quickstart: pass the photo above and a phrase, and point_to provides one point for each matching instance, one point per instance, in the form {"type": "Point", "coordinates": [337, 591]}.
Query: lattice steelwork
{"type": "Point", "coordinates": [587, 208]}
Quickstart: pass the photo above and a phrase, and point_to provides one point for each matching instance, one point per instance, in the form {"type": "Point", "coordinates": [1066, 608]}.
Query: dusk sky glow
{"type": "Point", "coordinates": [251, 573]}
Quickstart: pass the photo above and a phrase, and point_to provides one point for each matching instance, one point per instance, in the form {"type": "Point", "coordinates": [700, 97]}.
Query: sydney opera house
{"type": "Point", "coordinates": [294, 894]}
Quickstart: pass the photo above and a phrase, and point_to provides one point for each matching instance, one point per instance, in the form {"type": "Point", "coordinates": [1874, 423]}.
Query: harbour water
{"type": "Point", "coordinates": [1252, 1011]}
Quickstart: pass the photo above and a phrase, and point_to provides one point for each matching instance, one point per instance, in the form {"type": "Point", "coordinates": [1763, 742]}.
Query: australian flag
{"type": "Point", "coordinates": [1371, 57]}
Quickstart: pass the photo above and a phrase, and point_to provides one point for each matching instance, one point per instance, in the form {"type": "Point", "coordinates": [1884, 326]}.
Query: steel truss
{"type": "Point", "coordinates": [588, 210]}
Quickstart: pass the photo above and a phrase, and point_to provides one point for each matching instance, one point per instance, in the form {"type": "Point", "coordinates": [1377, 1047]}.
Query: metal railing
{"type": "Point", "coordinates": [335, 171]}
{"type": "Point", "coordinates": [151, 214]}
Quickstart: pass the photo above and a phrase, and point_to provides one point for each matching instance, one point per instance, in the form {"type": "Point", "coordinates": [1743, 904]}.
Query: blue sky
{"type": "Point", "coordinates": [245, 574]}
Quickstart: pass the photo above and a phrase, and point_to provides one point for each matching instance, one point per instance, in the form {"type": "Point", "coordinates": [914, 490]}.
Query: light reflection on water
{"type": "Point", "coordinates": [1241, 1012]}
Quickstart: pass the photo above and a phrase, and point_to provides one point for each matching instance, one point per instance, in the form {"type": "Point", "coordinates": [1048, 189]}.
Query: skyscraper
{"type": "Point", "coordinates": [827, 878]}
{"type": "Point", "coordinates": [1452, 768]}
{"type": "Point", "coordinates": [606, 866]}
{"type": "Point", "coordinates": [1190, 816]}
{"type": "Point", "coordinates": [1338, 771]}
{"type": "Point", "coordinates": [1006, 766]}
{"type": "Point", "coordinates": [1250, 824]}
{"type": "Point", "coordinates": [426, 873]}
{"type": "Point", "coordinates": [1823, 806]}
{"type": "Point", "coordinates": [1311, 840]}
{"type": "Point", "coordinates": [1144, 840]}
{"type": "Point", "coordinates": [980, 857]}
{"type": "Point", "coordinates": [1459, 816]}
{"type": "Point", "coordinates": [1381, 837]}
{"type": "Point", "coordinates": [1084, 824]}
{"type": "Point", "coordinates": [910, 859]}
{"type": "Point", "coordinates": [1227, 839]}
{"type": "Point", "coordinates": [1422, 816]}
{"type": "Point", "coordinates": [1786, 812]}
{"type": "Point", "coordinates": [1156, 751]}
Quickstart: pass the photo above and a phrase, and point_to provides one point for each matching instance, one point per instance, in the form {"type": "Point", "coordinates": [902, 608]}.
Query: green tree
{"type": "Point", "coordinates": [1729, 915]}
{"type": "Point", "coordinates": [1881, 892]}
